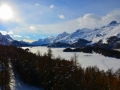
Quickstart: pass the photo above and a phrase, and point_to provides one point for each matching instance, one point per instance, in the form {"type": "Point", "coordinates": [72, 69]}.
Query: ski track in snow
{"type": "Point", "coordinates": [105, 64]}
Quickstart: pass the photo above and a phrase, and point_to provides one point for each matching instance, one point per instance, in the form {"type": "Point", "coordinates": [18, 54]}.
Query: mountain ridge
{"type": "Point", "coordinates": [97, 36]}
{"type": "Point", "coordinates": [44, 41]}
{"type": "Point", "coordinates": [94, 35]}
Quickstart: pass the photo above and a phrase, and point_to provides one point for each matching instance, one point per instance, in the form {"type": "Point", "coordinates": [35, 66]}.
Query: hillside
{"type": "Point", "coordinates": [94, 35]}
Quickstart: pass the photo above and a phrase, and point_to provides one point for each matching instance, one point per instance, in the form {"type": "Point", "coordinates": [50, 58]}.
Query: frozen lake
{"type": "Point", "coordinates": [85, 59]}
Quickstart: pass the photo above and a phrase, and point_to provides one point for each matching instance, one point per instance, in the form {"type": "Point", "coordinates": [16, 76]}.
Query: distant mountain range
{"type": "Point", "coordinates": [45, 41]}
{"type": "Point", "coordinates": [97, 37]}
{"type": "Point", "coordinates": [4, 39]}
{"type": "Point", "coordinates": [94, 35]}
{"type": "Point", "coordinates": [7, 40]}
{"type": "Point", "coordinates": [106, 36]}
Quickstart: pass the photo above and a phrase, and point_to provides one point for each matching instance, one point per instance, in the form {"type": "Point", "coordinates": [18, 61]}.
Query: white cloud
{"type": "Point", "coordinates": [27, 37]}
{"type": "Point", "coordinates": [33, 28]}
{"type": "Point", "coordinates": [37, 4]}
{"type": "Point", "coordinates": [10, 33]}
{"type": "Point", "coordinates": [52, 6]}
{"type": "Point", "coordinates": [5, 32]}
{"type": "Point", "coordinates": [114, 15]}
{"type": "Point", "coordinates": [17, 36]}
{"type": "Point", "coordinates": [92, 21]}
{"type": "Point", "coordinates": [69, 26]}
{"type": "Point", "coordinates": [61, 16]}
{"type": "Point", "coordinates": [89, 21]}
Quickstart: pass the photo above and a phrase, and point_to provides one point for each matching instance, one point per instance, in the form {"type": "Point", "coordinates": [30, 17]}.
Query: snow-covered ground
{"type": "Point", "coordinates": [85, 59]}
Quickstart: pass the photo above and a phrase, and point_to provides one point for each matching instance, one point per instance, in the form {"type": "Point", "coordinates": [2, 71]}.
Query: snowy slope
{"type": "Point", "coordinates": [44, 41]}
{"type": "Point", "coordinates": [8, 37]}
{"type": "Point", "coordinates": [112, 29]}
{"type": "Point", "coordinates": [7, 40]}
{"type": "Point", "coordinates": [4, 40]}
{"type": "Point", "coordinates": [75, 36]}
{"type": "Point", "coordinates": [94, 35]}
{"type": "Point", "coordinates": [61, 36]}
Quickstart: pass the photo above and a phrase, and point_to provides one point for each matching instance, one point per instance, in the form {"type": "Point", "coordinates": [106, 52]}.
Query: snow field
{"type": "Point", "coordinates": [85, 59]}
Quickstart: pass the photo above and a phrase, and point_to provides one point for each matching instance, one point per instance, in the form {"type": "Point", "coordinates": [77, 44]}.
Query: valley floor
{"type": "Point", "coordinates": [85, 59]}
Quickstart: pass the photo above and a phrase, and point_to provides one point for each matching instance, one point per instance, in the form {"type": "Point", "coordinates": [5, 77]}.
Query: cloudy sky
{"type": "Point", "coordinates": [31, 20]}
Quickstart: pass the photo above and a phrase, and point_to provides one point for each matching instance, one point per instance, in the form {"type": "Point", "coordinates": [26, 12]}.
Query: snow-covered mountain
{"type": "Point", "coordinates": [8, 37]}
{"type": "Point", "coordinates": [61, 36]}
{"type": "Point", "coordinates": [44, 41]}
{"type": "Point", "coordinates": [7, 40]}
{"type": "Point", "coordinates": [105, 32]}
{"type": "Point", "coordinates": [25, 42]}
{"type": "Point", "coordinates": [19, 43]}
{"type": "Point", "coordinates": [94, 35]}
{"type": "Point", "coordinates": [112, 42]}
{"type": "Point", "coordinates": [100, 35]}
{"type": "Point", "coordinates": [4, 40]}
{"type": "Point", "coordinates": [81, 43]}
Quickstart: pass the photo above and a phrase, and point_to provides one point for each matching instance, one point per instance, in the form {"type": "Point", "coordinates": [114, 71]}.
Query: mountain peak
{"type": "Point", "coordinates": [113, 23]}
{"type": "Point", "coordinates": [4, 40]}
{"type": "Point", "coordinates": [8, 37]}
{"type": "Point", "coordinates": [43, 41]}
{"type": "Point", "coordinates": [78, 30]}
{"type": "Point", "coordinates": [50, 37]}
{"type": "Point", "coordinates": [64, 33]}
{"type": "Point", "coordinates": [83, 30]}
